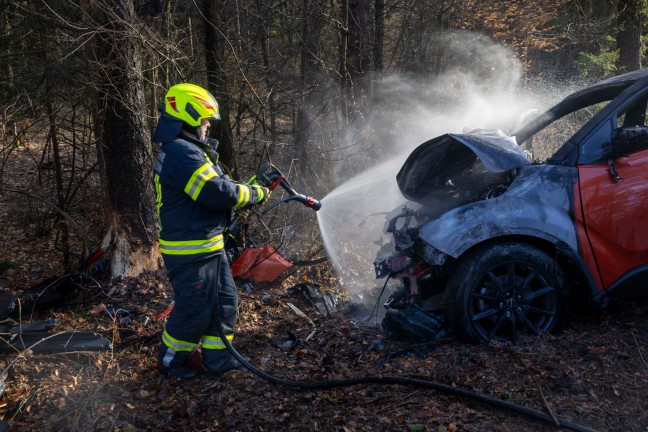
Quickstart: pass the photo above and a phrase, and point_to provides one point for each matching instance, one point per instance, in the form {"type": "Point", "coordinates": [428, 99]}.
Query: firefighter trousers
{"type": "Point", "coordinates": [193, 318]}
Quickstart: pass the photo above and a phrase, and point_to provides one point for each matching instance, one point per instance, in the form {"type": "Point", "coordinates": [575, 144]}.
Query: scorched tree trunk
{"type": "Point", "coordinates": [124, 143]}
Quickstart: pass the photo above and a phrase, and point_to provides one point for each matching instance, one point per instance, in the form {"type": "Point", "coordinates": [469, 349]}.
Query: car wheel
{"type": "Point", "coordinates": [505, 289]}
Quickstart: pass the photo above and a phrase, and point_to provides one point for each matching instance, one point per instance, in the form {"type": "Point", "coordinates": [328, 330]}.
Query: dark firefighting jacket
{"type": "Point", "coordinates": [194, 201]}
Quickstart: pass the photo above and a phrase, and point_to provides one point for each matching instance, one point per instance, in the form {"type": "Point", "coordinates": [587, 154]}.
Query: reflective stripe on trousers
{"type": "Point", "coordinates": [215, 342]}
{"type": "Point", "coordinates": [194, 316]}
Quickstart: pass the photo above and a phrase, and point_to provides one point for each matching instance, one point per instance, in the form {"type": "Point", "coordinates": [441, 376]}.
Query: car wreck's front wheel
{"type": "Point", "coordinates": [502, 290]}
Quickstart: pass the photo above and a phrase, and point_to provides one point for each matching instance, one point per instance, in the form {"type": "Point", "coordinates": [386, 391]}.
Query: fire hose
{"type": "Point", "coordinates": [394, 380]}
{"type": "Point", "coordinates": [271, 177]}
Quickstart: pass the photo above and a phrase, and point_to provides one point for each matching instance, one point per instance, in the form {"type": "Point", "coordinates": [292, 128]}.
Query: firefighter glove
{"type": "Point", "coordinates": [263, 193]}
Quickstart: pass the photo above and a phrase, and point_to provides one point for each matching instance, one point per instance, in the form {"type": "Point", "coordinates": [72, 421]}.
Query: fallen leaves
{"type": "Point", "coordinates": [589, 374]}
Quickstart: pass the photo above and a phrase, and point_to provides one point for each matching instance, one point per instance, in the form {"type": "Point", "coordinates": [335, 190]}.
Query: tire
{"type": "Point", "coordinates": [505, 289]}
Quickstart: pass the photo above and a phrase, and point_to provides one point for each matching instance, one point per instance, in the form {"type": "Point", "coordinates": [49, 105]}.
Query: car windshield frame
{"type": "Point", "coordinates": [608, 91]}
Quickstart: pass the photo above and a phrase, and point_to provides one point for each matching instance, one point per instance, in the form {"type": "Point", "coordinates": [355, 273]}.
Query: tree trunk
{"type": "Point", "coordinates": [311, 28]}
{"type": "Point", "coordinates": [301, 119]}
{"type": "Point", "coordinates": [265, 55]}
{"type": "Point", "coordinates": [6, 66]}
{"type": "Point", "coordinates": [124, 144]}
{"type": "Point", "coordinates": [359, 37]}
{"type": "Point", "coordinates": [379, 35]}
{"type": "Point", "coordinates": [355, 52]}
{"type": "Point", "coordinates": [53, 135]}
{"type": "Point", "coordinates": [629, 37]}
{"type": "Point", "coordinates": [217, 80]}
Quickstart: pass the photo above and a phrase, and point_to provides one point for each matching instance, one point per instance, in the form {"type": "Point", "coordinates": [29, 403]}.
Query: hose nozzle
{"type": "Point", "coordinates": [313, 203]}
{"type": "Point", "coordinates": [271, 177]}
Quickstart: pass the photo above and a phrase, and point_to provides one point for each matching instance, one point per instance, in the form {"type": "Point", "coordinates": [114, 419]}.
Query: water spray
{"type": "Point", "coordinates": [271, 177]}
{"type": "Point", "coordinates": [358, 206]}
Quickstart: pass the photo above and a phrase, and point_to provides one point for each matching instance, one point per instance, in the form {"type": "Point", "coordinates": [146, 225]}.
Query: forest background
{"type": "Point", "coordinates": [324, 89]}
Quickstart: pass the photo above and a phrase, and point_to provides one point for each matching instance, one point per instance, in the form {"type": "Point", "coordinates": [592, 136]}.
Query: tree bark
{"type": "Point", "coordinates": [629, 37]}
{"type": "Point", "coordinates": [123, 140]}
{"type": "Point", "coordinates": [379, 35]}
{"type": "Point", "coordinates": [6, 48]}
{"type": "Point", "coordinates": [265, 55]}
{"type": "Point", "coordinates": [53, 135]}
{"type": "Point", "coordinates": [217, 80]}
{"type": "Point", "coordinates": [345, 81]}
{"type": "Point", "coordinates": [358, 56]}
{"type": "Point", "coordinates": [310, 34]}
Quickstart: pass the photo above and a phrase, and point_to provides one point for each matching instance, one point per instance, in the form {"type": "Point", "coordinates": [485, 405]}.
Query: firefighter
{"type": "Point", "coordinates": [195, 201]}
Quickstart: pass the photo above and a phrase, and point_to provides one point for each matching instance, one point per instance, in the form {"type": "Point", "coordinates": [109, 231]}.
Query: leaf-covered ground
{"type": "Point", "coordinates": [594, 373]}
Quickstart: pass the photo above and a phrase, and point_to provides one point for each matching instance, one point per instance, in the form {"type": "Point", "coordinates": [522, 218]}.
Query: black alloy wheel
{"type": "Point", "coordinates": [502, 290]}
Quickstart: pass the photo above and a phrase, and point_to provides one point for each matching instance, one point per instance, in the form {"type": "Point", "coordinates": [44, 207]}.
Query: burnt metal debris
{"type": "Point", "coordinates": [324, 303]}
{"type": "Point", "coordinates": [45, 342]}
{"type": "Point", "coordinates": [40, 296]}
{"type": "Point", "coordinates": [414, 324]}
{"type": "Point", "coordinates": [17, 333]}
{"type": "Point", "coordinates": [34, 335]}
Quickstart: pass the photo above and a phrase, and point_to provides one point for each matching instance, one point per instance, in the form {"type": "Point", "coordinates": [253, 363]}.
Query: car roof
{"type": "Point", "coordinates": [598, 92]}
{"type": "Point", "coordinates": [610, 85]}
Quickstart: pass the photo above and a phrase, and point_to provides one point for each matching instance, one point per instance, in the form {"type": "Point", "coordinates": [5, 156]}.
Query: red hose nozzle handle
{"type": "Point", "coordinates": [276, 183]}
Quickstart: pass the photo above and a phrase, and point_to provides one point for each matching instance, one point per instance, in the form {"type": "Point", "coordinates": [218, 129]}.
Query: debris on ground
{"type": "Point", "coordinates": [49, 292]}
{"type": "Point", "coordinates": [287, 344]}
{"type": "Point", "coordinates": [260, 264]}
{"type": "Point", "coordinates": [44, 342]}
{"type": "Point", "coordinates": [324, 303]}
{"type": "Point", "coordinates": [413, 323]}
{"type": "Point", "coordinates": [42, 295]}
{"type": "Point", "coordinates": [591, 373]}
{"type": "Point", "coordinates": [9, 326]}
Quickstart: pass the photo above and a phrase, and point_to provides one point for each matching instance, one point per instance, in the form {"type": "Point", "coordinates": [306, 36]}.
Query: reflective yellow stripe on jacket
{"type": "Point", "coordinates": [198, 179]}
{"type": "Point", "coordinates": [158, 193]}
{"type": "Point", "coordinates": [243, 195]}
{"type": "Point", "coordinates": [215, 342]}
{"type": "Point", "coordinates": [192, 247]}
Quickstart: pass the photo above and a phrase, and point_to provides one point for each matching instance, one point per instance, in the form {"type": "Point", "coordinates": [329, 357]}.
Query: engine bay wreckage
{"type": "Point", "coordinates": [495, 242]}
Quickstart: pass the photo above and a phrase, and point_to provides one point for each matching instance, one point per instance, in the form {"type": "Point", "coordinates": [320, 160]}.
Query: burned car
{"type": "Point", "coordinates": [504, 243]}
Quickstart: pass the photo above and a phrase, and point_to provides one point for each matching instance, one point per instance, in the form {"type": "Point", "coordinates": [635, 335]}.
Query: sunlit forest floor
{"type": "Point", "coordinates": [594, 373]}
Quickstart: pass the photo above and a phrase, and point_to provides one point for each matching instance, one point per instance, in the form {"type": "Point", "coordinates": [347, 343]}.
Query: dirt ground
{"type": "Point", "coordinates": [593, 374]}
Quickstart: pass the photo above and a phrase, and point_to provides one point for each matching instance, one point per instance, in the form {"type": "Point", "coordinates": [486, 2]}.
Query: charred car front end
{"type": "Point", "coordinates": [501, 242]}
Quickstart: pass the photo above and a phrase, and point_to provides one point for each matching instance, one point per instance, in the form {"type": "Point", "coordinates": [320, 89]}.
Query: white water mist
{"type": "Point", "coordinates": [354, 215]}
{"type": "Point", "coordinates": [352, 221]}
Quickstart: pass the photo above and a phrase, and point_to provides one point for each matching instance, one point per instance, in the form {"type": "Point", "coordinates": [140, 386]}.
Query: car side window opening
{"type": "Point", "coordinates": [596, 148]}
{"type": "Point", "coordinates": [549, 140]}
{"type": "Point", "coordinates": [633, 116]}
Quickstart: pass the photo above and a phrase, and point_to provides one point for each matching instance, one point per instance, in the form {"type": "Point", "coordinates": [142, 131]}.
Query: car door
{"type": "Point", "coordinates": [614, 197]}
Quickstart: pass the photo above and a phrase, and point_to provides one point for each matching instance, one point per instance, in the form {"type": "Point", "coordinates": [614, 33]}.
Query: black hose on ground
{"type": "Point", "coordinates": [310, 385]}
{"type": "Point", "coordinates": [308, 262]}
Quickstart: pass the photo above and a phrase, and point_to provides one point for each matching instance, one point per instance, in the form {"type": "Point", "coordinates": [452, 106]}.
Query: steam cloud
{"type": "Point", "coordinates": [480, 87]}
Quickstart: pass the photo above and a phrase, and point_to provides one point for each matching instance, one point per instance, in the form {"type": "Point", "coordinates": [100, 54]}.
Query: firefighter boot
{"type": "Point", "coordinates": [218, 361]}
{"type": "Point", "coordinates": [175, 363]}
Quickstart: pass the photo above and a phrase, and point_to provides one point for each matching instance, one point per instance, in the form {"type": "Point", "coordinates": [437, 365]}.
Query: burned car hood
{"type": "Point", "coordinates": [449, 162]}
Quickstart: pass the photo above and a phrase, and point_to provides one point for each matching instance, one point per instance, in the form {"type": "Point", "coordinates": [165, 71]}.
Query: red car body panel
{"type": "Point", "coordinates": [616, 214]}
{"type": "Point", "coordinates": [583, 240]}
